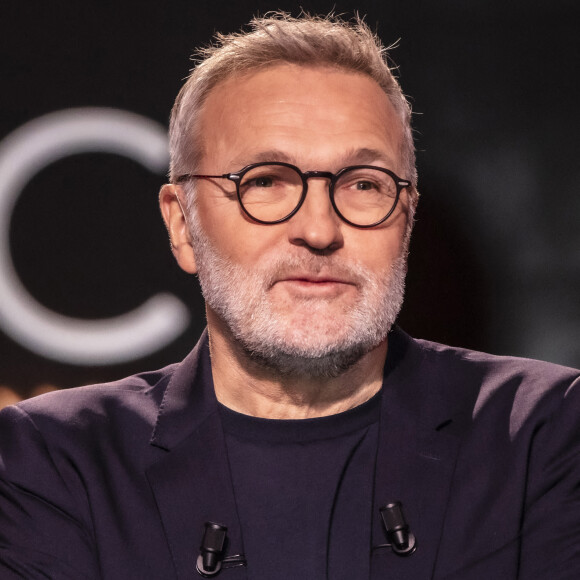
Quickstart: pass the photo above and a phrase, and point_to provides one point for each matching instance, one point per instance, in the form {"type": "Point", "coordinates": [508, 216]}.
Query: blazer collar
{"type": "Point", "coordinates": [415, 382]}
{"type": "Point", "coordinates": [191, 482]}
{"type": "Point", "coordinates": [189, 398]}
{"type": "Point", "coordinates": [420, 433]}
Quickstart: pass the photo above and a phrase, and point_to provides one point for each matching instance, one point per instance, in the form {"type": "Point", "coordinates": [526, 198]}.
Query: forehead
{"type": "Point", "coordinates": [309, 115]}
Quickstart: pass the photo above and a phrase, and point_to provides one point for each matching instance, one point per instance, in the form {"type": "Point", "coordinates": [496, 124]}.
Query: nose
{"type": "Point", "coordinates": [316, 225]}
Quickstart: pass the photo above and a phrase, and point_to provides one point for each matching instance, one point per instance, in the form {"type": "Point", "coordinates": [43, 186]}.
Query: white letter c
{"type": "Point", "coordinates": [145, 330]}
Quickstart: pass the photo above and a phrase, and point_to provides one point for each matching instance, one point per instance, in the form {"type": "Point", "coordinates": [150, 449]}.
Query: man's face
{"type": "Point", "coordinates": [313, 294]}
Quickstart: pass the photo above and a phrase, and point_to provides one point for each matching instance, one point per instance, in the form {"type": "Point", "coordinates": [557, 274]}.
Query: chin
{"type": "Point", "coordinates": [301, 362]}
{"type": "Point", "coordinates": [320, 348]}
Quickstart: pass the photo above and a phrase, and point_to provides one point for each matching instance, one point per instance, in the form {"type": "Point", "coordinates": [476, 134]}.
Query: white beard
{"type": "Point", "coordinates": [312, 339]}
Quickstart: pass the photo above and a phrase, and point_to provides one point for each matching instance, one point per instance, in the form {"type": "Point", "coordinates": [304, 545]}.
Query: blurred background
{"type": "Point", "coordinates": [89, 291]}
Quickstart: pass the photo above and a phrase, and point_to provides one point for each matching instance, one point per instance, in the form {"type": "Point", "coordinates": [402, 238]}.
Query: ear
{"type": "Point", "coordinates": [172, 204]}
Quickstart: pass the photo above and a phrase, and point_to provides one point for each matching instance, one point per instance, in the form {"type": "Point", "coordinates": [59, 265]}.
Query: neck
{"type": "Point", "coordinates": [247, 387]}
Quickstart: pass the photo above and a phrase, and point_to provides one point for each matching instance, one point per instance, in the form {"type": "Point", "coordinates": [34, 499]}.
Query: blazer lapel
{"type": "Point", "coordinates": [418, 445]}
{"type": "Point", "coordinates": [191, 481]}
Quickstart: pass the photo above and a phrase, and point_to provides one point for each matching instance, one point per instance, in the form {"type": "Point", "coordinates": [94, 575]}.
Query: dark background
{"type": "Point", "coordinates": [495, 261]}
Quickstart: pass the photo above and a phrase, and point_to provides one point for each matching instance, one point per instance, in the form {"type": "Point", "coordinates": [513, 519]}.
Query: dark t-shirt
{"type": "Point", "coordinates": [304, 491]}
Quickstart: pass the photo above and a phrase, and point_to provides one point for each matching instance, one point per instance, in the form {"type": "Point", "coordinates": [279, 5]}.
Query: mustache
{"type": "Point", "coordinates": [314, 266]}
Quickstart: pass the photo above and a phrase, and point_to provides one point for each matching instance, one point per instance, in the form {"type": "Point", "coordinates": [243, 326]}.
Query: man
{"type": "Point", "coordinates": [304, 436]}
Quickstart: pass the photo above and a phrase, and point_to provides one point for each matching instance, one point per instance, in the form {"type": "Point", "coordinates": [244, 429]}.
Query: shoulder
{"type": "Point", "coordinates": [134, 400]}
{"type": "Point", "coordinates": [74, 434]}
{"type": "Point", "coordinates": [503, 367]}
{"type": "Point", "coordinates": [498, 388]}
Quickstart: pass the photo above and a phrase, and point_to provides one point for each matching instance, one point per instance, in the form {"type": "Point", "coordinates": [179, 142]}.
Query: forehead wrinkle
{"type": "Point", "coordinates": [353, 156]}
{"type": "Point", "coordinates": [260, 156]}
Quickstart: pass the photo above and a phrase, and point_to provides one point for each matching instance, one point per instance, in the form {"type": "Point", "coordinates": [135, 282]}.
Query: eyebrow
{"type": "Point", "coordinates": [261, 156]}
{"type": "Point", "coordinates": [366, 155]}
{"type": "Point", "coordinates": [362, 156]}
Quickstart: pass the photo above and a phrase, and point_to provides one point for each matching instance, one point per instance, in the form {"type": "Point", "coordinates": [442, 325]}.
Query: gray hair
{"type": "Point", "coordinates": [280, 38]}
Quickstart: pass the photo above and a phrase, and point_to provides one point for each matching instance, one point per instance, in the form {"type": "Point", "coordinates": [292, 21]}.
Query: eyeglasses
{"type": "Point", "coordinates": [363, 196]}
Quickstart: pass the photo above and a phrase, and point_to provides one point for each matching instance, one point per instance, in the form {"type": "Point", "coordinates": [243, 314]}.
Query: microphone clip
{"type": "Point", "coordinates": [209, 561]}
{"type": "Point", "coordinates": [400, 538]}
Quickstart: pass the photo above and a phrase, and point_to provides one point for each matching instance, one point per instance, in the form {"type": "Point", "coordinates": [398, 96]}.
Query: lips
{"type": "Point", "coordinates": [311, 286]}
{"type": "Point", "coordinates": [314, 279]}
{"type": "Point", "coordinates": [312, 272]}
{"type": "Point", "coordinates": [307, 280]}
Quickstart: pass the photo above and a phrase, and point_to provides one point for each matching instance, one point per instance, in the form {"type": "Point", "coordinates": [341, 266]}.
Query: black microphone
{"type": "Point", "coordinates": [402, 541]}
{"type": "Point", "coordinates": [209, 561]}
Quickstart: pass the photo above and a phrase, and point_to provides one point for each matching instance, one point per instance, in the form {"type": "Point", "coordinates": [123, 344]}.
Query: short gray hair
{"type": "Point", "coordinates": [280, 38]}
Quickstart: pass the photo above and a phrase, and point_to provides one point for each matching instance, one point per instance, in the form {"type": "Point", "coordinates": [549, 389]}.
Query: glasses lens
{"type": "Point", "coordinates": [270, 192]}
{"type": "Point", "coordinates": [364, 196]}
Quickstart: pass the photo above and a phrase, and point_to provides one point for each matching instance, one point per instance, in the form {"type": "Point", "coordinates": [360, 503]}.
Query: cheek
{"type": "Point", "coordinates": [378, 249]}
{"type": "Point", "coordinates": [246, 250]}
{"type": "Point", "coordinates": [237, 239]}
{"type": "Point", "coordinates": [221, 223]}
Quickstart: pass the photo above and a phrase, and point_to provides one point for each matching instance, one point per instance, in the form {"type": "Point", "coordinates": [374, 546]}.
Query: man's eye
{"type": "Point", "coordinates": [263, 182]}
{"type": "Point", "coordinates": [365, 185]}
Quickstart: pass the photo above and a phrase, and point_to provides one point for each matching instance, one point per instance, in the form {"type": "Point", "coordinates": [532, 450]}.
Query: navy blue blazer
{"type": "Point", "coordinates": [116, 481]}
